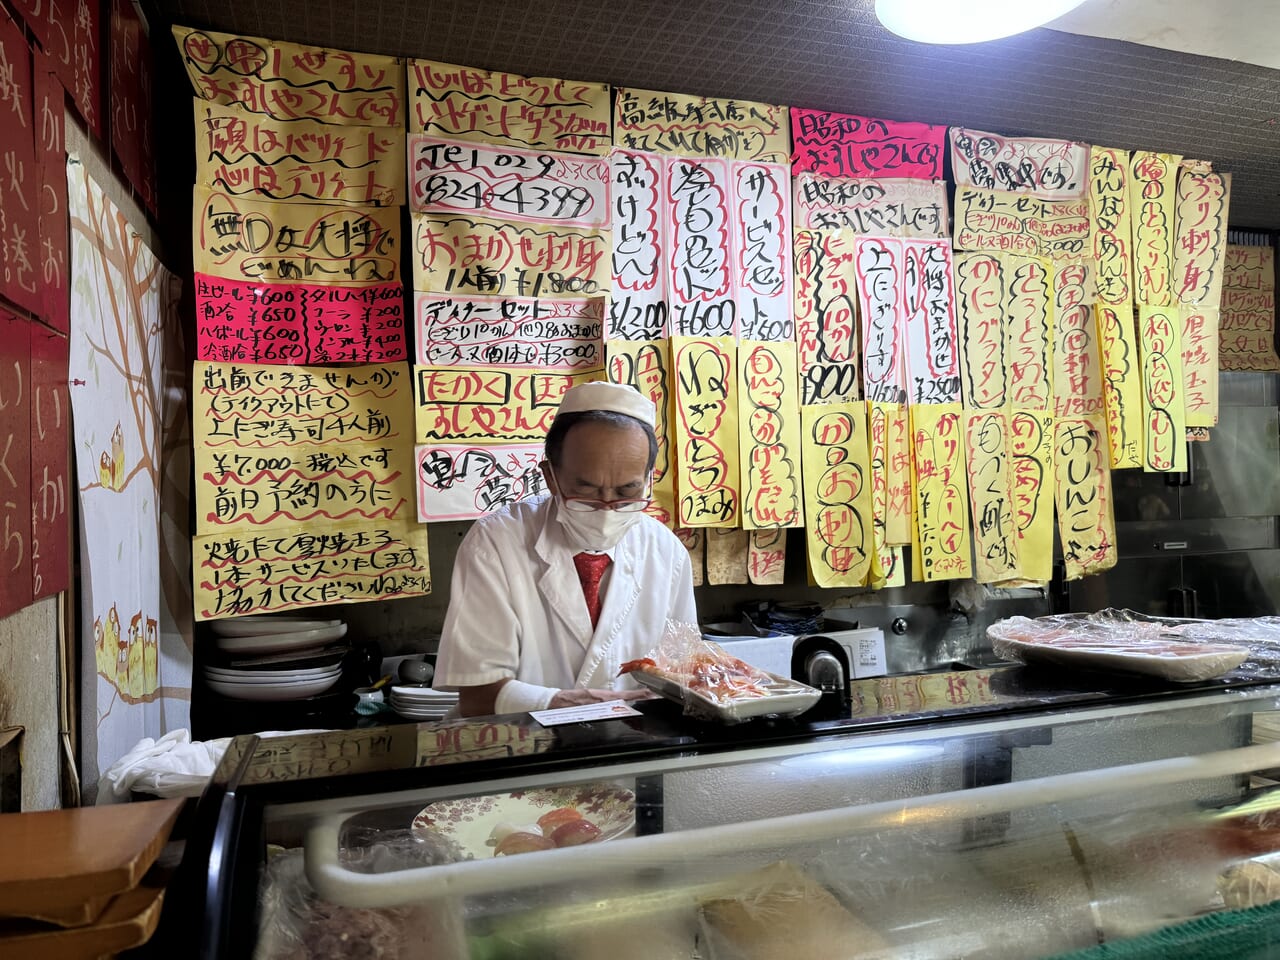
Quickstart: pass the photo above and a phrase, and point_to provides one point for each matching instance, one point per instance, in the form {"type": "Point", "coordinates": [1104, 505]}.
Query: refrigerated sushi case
{"type": "Point", "coordinates": [873, 834]}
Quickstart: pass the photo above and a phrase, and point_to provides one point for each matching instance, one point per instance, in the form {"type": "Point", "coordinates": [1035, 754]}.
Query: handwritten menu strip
{"type": "Point", "coordinates": [130, 67]}
{"type": "Point", "coordinates": [51, 167]}
{"type": "Point", "coordinates": [50, 464]}
{"type": "Point", "coordinates": [880, 207]}
{"type": "Point", "coordinates": [472, 255]}
{"type": "Point", "coordinates": [879, 269]}
{"type": "Point", "coordinates": [995, 530]}
{"type": "Point", "coordinates": [249, 154]}
{"type": "Point", "coordinates": [695, 541]}
{"type": "Point", "coordinates": [1032, 476]}
{"type": "Point", "coordinates": [238, 321]}
{"type": "Point", "coordinates": [769, 441]}
{"type": "Point", "coordinates": [890, 431]}
{"type": "Point", "coordinates": [15, 463]}
{"type": "Point", "coordinates": [1077, 362]}
{"type": "Point", "coordinates": [638, 306]}
{"type": "Point", "coordinates": [1152, 189]}
{"type": "Point", "coordinates": [1121, 389]}
{"type": "Point", "coordinates": [509, 332]}
{"type": "Point", "coordinates": [706, 431]}
{"type": "Point", "coordinates": [1247, 324]}
{"type": "Point", "coordinates": [237, 238]}
{"type": "Point", "coordinates": [1200, 364]}
{"type": "Point", "coordinates": [761, 218]}
{"type": "Point", "coordinates": [289, 81]}
{"type": "Point", "coordinates": [845, 145]}
{"type": "Point", "coordinates": [700, 126]}
{"type": "Point", "coordinates": [928, 306]}
{"type": "Point", "coordinates": [69, 34]}
{"type": "Point", "coordinates": [1029, 334]}
{"type": "Point", "coordinates": [826, 286]}
{"type": "Point", "coordinates": [507, 183]}
{"type": "Point", "coordinates": [1200, 248]}
{"type": "Point", "coordinates": [982, 295]}
{"type": "Point", "coordinates": [647, 367]}
{"type": "Point", "coordinates": [1050, 169]}
{"type": "Point", "coordinates": [458, 482]}
{"type": "Point", "coordinates": [1163, 409]}
{"type": "Point", "coordinates": [767, 557]}
{"type": "Point", "coordinates": [1082, 492]}
{"type": "Point", "coordinates": [698, 254]}
{"type": "Point", "coordinates": [1109, 213]}
{"type": "Point", "coordinates": [941, 544]}
{"type": "Point", "coordinates": [273, 408]}
{"type": "Point", "coordinates": [329, 754]}
{"type": "Point", "coordinates": [486, 106]}
{"type": "Point", "coordinates": [727, 551]}
{"type": "Point", "coordinates": [837, 489]}
{"type": "Point", "coordinates": [888, 568]}
{"type": "Point", "coordinates": [1010, 223]}
{"type": "Point", "coordinates": [19, 195]}
{"type": "Point", "coordinates": [238, 574]}
{"type": "Point", "coordinates": [488, 404]}
{"type": "Point", "coordinates": [829, 383]}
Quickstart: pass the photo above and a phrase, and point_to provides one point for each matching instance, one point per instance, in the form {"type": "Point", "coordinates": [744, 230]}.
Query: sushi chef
{"type": "Point", "coordinates": [550, 596]}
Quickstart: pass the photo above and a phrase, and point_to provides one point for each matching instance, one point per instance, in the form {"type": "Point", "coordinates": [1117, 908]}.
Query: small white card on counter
{"type": "Point", "coordinates": [608, 710]}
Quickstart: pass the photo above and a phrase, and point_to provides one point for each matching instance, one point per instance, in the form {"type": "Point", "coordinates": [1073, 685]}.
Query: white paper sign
{"type": "Point", "coordinates": [609, 710]}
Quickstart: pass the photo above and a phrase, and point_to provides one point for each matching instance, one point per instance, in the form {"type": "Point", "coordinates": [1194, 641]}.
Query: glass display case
{"type": "Point", "coordinates": [965, 826]}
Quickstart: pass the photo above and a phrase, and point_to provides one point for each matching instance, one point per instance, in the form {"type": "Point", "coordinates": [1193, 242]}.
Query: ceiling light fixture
{"type": "Point", "coordinates": [967, 21]}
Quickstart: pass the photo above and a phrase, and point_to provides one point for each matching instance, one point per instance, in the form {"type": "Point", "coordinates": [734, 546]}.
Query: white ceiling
{"type": "Point", "coordinates": [1243, 30]}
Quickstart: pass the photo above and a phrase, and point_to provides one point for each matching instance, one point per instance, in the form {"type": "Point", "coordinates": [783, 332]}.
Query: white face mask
{"type": "Point", "coordinates": [596, 531]}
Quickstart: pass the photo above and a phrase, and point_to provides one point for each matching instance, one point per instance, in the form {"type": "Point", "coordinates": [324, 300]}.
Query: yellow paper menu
{"type": "Point", "coordinates": [995, 532]}
{"type": "Point", "coordinates": [837, 486]}
{"type": "Point", "coordinates": [767, 557]}
{"type": "Point", "coordinates": [1031, 467]}
{"type": "Point", "coordinates": [1152, 186]}
{"type": "Point", "coordinates": [1200, 363]}
{"type": "Point", "coordinates": [690, 126]}
{"type": "Point", "coordinates": [1110, 224]}
{"type": "Point", "coordinates": [1121, 384]}
{"type": "Point", "coordinates": [890, 444]}
{"type": "Point", "coordinates": [1082, 492]}
{"type": "Point", "coordinates": [942, 543]}
{"type": "Point", "coordinates": [769, 435]}
{"type": "Point", "coordinates": [1199, 257]}
{"type": "Point", "coordinates": [1029, 334]}
{"type": "Point", "coordinates": [646, 365]}
{"type": "Point", "coordinates": [981, 299]}
{"type": "Point", "coordinates": [706, 431]}
{"type": "Point", "coordinates": [1163, 411]}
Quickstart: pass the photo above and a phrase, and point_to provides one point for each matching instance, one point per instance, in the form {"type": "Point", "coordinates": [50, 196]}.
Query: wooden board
{"type": "Point", "coordinates": [128, 921]}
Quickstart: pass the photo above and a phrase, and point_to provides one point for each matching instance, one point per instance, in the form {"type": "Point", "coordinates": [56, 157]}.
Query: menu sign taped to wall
{"type": "Point", "coordinates": [1200, 364]}
{"type": "Point", "coordinates": [463, 482]}
{"type": "Point", "coordinates": [289, 81]}
{"type": "Point", "coordinates": [507, 183]}
{"type": "Point", "coordinates": [1029, 334]}
{"type": "Point", "coordinates": [488, 106]}
{"type": "Point", "coordinates": [1032, 476]}
{"type": "Point", "coordinates": [727, 555]}
{"type": "Point", "coordinates": [928, 310]}
{"type": "Point", "coordinates": [1152, 196]}
{"type": "Point", "coordinates": [1200, 249]}
{"type": "Point", "coordinates": [1247, 324]}
{"type": "Point", "coordinates": [50, 463]}
{"type": "Point", "coordinates": [1049, 169]}
{"type": "Point", "coordinates": [1077, 363]}
{"type": "Point", "coordinates": [51, 169]}
{"type": "Point", "coordinates": [875, 207]}
{"type": "Point", "coordinates": [1082, 492]}
{"type": "Point", "coordinates": [995, 530]}
{"type": "Point", "coordinates": [826, 314]}
{"type": "Point", "coordinates": [1013, 223]}
{"type": "Point", "coordinates": [689, 126]}
{"type": "Point", "coordinates": [508, 332]}
{"type": "Point", "coordinates": [767, 557]}
{"type": "Point", "coordinates": [20, 254]}
{"type": "Point", "coordinates": [769, 437]}
{"type": "Point", "coordinates": [698, 254]}
{"type": "Point", "coordinates": [890, 446]}
{"type": "Point", "coordinates": [760, 215]}
{"type": "Point", "coordinates": [249, 154]}
{"type": "Point", "coordinates": [238, 321]}
{"type": "Point", "coordinates": [488, 404]}
{"type": "Point", "coordinates": [982, 293]}
{"type": "Point", "coordinates": [1121, 384]}
{"type": "Point", "coordinates": [837, 493]}
{"type": "Point", "coordinates": [237, 238]}
{"type": "Point", "coordinates": [69, 36]}
{"type": "Point", "coordinates": [1110, 220]}
{"type": "Point", "coordinates": [879, 270]}
{"type": "Point", "coordinates": [846, 145]}
{"type": "Point", "coordinates": [472, 255]}
{"type": "Point", "coordinates": [1163, 410]}
{"type": "Point", "coordinates": [15, 477]}
{"type": "Point", "coordinates": [647, 367]}
{"type": "Point", "coordinates": [706, 431]}
{"type": "Point", "coordinates": [638, 305]}
{"type": "Point", "coordinates": [941, 545]}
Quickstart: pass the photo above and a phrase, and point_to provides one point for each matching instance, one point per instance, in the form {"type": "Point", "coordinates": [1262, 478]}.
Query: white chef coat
{"type": "Point", "coordinates": [517, 609]}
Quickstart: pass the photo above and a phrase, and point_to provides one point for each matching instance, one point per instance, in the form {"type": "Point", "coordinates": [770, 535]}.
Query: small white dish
{"type": "Point", "coordinates": [424, 693]}
{"type": "Point", "coordinates": [267, 626]}
{"type": "Point", "coordinates": [296, 690]}
{"type": "Point", "coordinates": [280, 642]}
{"type": "Point", "coordinates": [260, 676]}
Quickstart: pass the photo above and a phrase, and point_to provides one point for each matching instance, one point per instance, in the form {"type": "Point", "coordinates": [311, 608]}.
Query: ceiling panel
{"type": "Point", "coordinates": [828, 54]}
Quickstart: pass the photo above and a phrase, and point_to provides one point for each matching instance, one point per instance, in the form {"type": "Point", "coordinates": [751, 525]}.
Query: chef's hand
{"type": "Point", "coordinates": [579, 698]}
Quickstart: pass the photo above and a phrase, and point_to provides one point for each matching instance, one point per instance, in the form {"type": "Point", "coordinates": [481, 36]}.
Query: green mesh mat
{"type": "Point", "coordinates": [1252, 934]}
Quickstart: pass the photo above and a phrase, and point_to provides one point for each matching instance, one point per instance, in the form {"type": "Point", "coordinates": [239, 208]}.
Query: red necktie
{"type": "Point", "coordinates": [591, 567]}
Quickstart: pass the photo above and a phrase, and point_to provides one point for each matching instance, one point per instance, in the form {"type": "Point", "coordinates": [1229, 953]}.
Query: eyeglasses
{"type": "Point", "coordinates": [586, 505]}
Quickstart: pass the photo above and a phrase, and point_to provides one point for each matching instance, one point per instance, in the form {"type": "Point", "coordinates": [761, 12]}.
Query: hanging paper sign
{"type": "Point", "coordinates": [706, 431]}
{"type": "Point", "coordinates": [941, 545]}
{"type": "Point", "coordinates": [509, 332]}
{"type": "Point", "coordinates": [1152, 195]}
{"type": "Point", "coordinates": [466, 482]}
{"type": "Point", "coordinates": [837, 488]}
{"type": "Point", "coordinates": [289, 81]}
{"type": "Point", "coordinates": [1082, 493]}
{"type": "Point", "coordinates": [237, 575]}
{"type": "Point", "coordinates": [699, 278]}
{"type": "Point", "coordinates": [981, 297]}
{"type": "Point", "coordinates": [19, 176]}
{"type": "Point", "coordinates": [890, 445]}
{"type": "Point", "coordinates": [1032, 476]}
{"type": "Point", "coordinates": [700, 126]}
{"type": "Point", "coordinates": [767, 557]}
{"type": "Point", "coordinates": [1110, 221]}
{"type": "Point", "coordinates": [69, 33]}
{"type": "Point", "coordinates": [761, 218]}
{"type": "Point", "coordinates": [1163, 410]}
{"type": "Point", "coordinates": [1121, 390]}
{"type": "Point", "coordinates": [845, 145]}
{"type": "Point", "coordinates": [888, 569]}
{"type": "Point", "coordinates": [1029, 335]}
{"type": "Point", "coordinates": [727, 551]}
{"type": "Point", "coordinates": [1247, 324]}
{"type": "Point", "coordinates": [826, 286]}
{"type": "Point", "coordinates": [695, 541]}
{"type": "Point", "coordinates": [241, 239]}
{"type": "Point", "coordinates": [471, 255]}
{"type": "Point", "coordinates": [15, 462]}
{"type": "Point", "coordinates": [488, 404]}
{"type": "Point", "coordinates": [51, 166]}
{"type": "Point", "coordinates": [1077, 363]}
{"type": "Point", "coordinates": [487, 106]}
{"type": "Point", "coordinates": [130, 85]}
{"type": "Point", "coordinates": [1010, 223]}
{"type": "Point", "coordinates": [638, 305]}
{"type": "Point", "coordinates": [1200, 364]}
{"type": "Point", "coordinates": [647, 367]}
{"type": "Point", "coordinates": [248, 154]}
{"type": "Point", "coordinates": [50, 463]}
{"type": "Point", "coordinates": [1201, 245]}
{"type": "Point", "coordinates": [933, 364]}
{"type": "Point", "coordinates": [879, 267]}
{"type": "Point", "coordinates": [507, 183]}
{"type": "Point", "coordinates": [769, 438]}
{"type": "Point", "coordinates": [1050, 169]}
{"type": "Point", "coordinates": [995, 530]}
{"type": "Point", "coordinates": [242, 322]}
{"type": "Point", "coordinates": [882, 208]}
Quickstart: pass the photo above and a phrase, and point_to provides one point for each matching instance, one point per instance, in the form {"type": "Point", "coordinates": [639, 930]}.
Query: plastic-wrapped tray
{"type": "Point", "coordinates": [784, 698]}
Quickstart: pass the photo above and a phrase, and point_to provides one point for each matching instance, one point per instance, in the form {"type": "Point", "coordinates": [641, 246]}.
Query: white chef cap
{"type": "Point", "coordinates": [614, 397]}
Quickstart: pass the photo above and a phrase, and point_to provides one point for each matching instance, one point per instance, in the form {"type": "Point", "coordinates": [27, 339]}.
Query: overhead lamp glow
{"type": "Point", "coordinates": [967, 21]}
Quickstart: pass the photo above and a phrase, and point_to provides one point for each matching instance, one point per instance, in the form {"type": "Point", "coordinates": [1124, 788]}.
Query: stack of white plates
{"type": "Point", "coordinates": [421, 703]}
{"type": "Point", "coordinates": [272, 635]}
{"type": "Point", "coordinates": [242, 684]}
